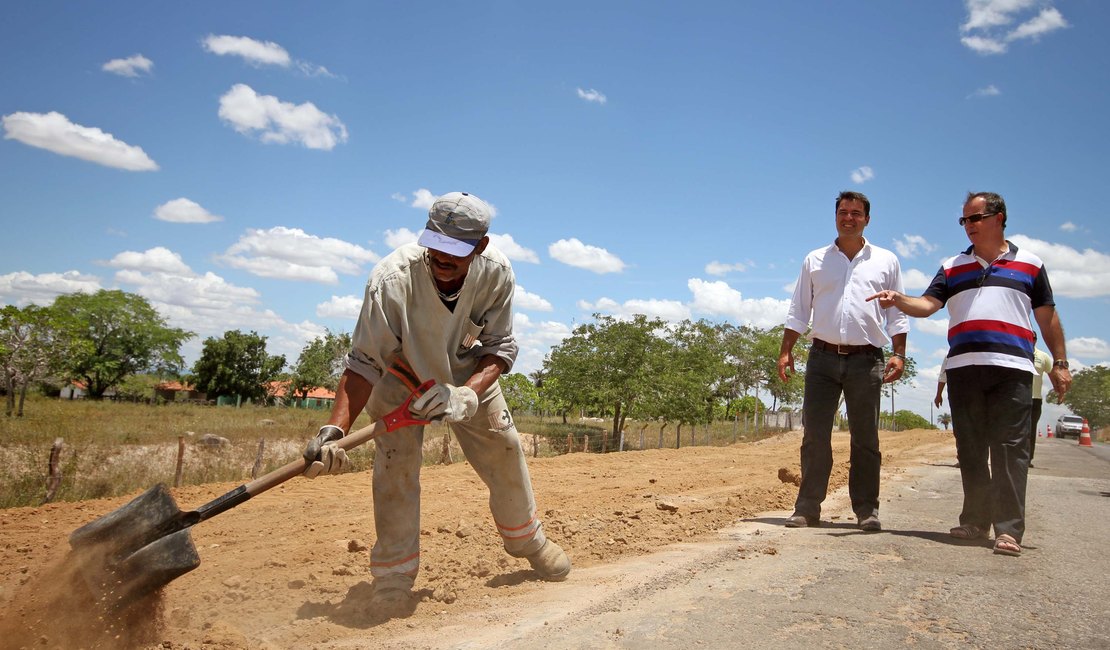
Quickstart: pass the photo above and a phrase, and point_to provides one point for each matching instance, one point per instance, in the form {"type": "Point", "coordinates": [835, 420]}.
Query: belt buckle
{"type": "Point", "coordinates": [843, 352]}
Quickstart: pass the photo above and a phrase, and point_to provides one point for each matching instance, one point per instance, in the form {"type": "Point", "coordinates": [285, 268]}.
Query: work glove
{"type": "Point", "coordinates": [451, 403]}
{"type": "Point", "coordinates": [323, 455]}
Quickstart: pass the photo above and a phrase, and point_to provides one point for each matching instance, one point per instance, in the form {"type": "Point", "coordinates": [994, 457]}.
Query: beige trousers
{"type": "Point", "coordinates": [491, 445]}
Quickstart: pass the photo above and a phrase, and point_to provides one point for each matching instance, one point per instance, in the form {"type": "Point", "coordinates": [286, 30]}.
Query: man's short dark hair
{"type": "Point", "coordinates": [855, 196]}
{"type": "Point", "coordinates": [995, 203]}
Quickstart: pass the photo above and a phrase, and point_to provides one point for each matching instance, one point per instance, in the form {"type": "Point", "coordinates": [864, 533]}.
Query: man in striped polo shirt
{"type": "Point", "coordinates": [991, 290]}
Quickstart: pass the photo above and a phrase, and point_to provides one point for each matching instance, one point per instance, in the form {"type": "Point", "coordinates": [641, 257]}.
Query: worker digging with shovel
{"type": "Point", "coordinates": [443, 306]}
{"type": "Point", "coordinates": [439, 311]}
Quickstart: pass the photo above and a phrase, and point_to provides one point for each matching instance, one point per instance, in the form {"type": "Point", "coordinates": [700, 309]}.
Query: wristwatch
{"type": "Point", "coordinates": [1060, 363]}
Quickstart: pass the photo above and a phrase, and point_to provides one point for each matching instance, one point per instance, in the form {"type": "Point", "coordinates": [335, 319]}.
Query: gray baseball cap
{"type": "Point", "coordinates": [456, 223]}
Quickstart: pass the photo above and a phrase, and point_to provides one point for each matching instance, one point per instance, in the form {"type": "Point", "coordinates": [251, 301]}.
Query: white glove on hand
{"type": "Point", "coordinates": [323, 455]}
{"type": "Point", "coordinates": [452, 403]}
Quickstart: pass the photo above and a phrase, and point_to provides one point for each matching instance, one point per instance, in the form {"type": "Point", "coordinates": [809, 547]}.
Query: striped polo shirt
{"type": "Point", "coordinates": [989, 307]}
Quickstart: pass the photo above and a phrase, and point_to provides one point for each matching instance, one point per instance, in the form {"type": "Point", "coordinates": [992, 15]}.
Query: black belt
{"type": "Point", "coordinates": [843, 349]}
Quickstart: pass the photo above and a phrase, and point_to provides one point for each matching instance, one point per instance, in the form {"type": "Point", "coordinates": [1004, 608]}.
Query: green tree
{"type": "Point", "coordinates": [605, 366]}
{"type": "Point", "coordinates": [520, 393]}
{"type": "Point", "coordinates": [765, 349]}
{"type": "Point", "coordinates": [35, 343]}
{"type": "Point", "coordinates": [320, 363]}
{"type": "Point", "coordinates": [945, 419]}
{"type": "Point", "coordinates": [550, 398]}
{"type": "Point", "coordinates": [688, 368]}
{"type": "Point", "coordinates": [905, 420]}
{"type": "Point", "coordinates": [118, 334]}
{"type": "Point", "coordinates": [1089, 395]}
{"type": "Point", "coordinates": [138, 388]}
{"type": "Point", "coordinates": [236, 365]}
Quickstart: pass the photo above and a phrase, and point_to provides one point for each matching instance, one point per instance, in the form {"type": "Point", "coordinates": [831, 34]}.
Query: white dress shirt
{"type": "Point", "coordinates": [832, 291]}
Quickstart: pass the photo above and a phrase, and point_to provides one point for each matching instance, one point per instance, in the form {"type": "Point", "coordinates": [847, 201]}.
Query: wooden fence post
{"type": "Point", "coordinates": [180, 461]}
{"type": "Point", "coordinates": [570, 441]}
{"type": "Point", "coordinates": [54, 475]}
{"type": "Point", "coordinates": [258, 458]}
{"type": "Point", "coordinates": [445, 457]}
{"type": "Point", "coordinates": [586, 443]}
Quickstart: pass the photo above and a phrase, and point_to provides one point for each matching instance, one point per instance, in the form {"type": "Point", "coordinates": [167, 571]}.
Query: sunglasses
{"type": "Point", "coordinates": [976, 218]}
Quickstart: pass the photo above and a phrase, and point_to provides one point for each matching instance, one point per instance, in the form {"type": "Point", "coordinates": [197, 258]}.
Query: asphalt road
{"type": "Point", "coordinates": [766, 586]}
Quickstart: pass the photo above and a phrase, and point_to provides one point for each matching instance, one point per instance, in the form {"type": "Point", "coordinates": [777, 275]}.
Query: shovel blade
{"type": "Point", "coordinates": [153, 566]}
{"type": "Point", "coordinates": [130, 527]}
{"type": "Point", "coordinates": [135, 549]}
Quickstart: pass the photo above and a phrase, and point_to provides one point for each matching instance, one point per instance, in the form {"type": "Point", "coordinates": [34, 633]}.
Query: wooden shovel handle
{"type": "Point", "coordinates": [395, 419]}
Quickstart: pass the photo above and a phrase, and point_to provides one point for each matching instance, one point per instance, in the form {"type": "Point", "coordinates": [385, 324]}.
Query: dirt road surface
{"type": "Point", "coordinates": [290, 567]}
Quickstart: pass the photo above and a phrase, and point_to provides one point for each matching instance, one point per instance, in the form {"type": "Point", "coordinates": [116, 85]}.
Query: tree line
{"type": "Point", "coordinates": [647, 369]}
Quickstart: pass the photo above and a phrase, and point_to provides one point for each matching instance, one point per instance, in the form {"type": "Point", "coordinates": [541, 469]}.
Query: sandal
{"type": "Point", "coordinates": [968, 531]}
{"type": "Point", "coordinates": [1006, 545]}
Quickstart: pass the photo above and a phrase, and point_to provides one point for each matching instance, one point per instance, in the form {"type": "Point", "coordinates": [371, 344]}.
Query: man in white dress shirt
{"type": "Point", "coordinates": [846, 357]}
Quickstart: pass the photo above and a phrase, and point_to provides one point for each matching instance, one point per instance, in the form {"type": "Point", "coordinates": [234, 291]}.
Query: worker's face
{"type": "Point", "coordinates": [448, 269]}
{"type": "Point", "coordinates": [851, 218]}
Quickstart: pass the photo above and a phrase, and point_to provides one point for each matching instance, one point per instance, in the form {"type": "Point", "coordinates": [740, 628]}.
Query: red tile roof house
{"type": "Point", "coordinates": [175, 391]}
{"type": "Point", "coordinates": [317, 398]}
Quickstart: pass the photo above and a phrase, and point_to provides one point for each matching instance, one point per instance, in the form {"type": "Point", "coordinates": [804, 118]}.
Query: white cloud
{"type": "Point", "coordinates": [913, 245]}
{"type": "Point", "coordinates": [987, 31]}
{"type": "Point", "coordinates": [210, 306]}
{"type": "Point", "coordinates": [54, 132]}
{"type": "Point", "coordinates": [983, 45]}
{"type": "Point", "coordinates": [1049, 20]}
{"type": "Point", "coordinates": [1089, 348]}
{"type": "Point", "coordinates": [720, 268]}
{"type": "Point", "coordinates": [209, 293]}
{"type": "Point", "coordinates": [583, 256]}
{"type": "Point", "coordinates": [514, 251]}
{"type": "Point", "coordinates": [914, 280]}
{"type": "Point", "coordinates": [184, 211]}
{"type": "Point", "coordinates": [986, 91]}
{"type": "Point", "coordinates": [340, 307]}
{"type": "Point", "coordinates": [718, 299]}
{"type": "Point", "coordinates": [22, 288]}
{"type": "Point", "coordinates": [129, 67]}
{"type": "Point", "coordinates": [280, 122]}
{"type": "Point", "coordinates": [398, 238]}
{"type": "Point", "coordinates": [592, 95]}
{"type": "Point", "coordinates": [1068, 226]}
{"type": "Point", "coordinates": [536, 340]}
{"type": "Point", "coordinates": [255, 52]}
{"type": "Point", "coordinates": [934, 326]}
{"type": "Point", "coordinates": [985, 14]}
{"type": "Point", "coordinates": [292, 254]}
{"type": "Point", "coordinates": [668, 310]}
{"type": "Point", "coordinates": [157, 259]}
{"type": "Point", "coordinates": [1073, 273]}
{"type": "Point", "coordinates": [862, 175]}
{"type": "Point", "coordinates": [525, 300]}
{"type": "Point", "coordinates": [258, 53]}
{"type": "Point", "coordinates": [423, 199]}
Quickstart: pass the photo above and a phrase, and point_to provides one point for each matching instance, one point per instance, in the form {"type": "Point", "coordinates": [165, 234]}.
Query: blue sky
{"type": "Point", "coordinates": [243, 165]}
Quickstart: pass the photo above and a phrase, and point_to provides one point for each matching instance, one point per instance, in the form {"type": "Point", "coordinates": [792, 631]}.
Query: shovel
{"type": "Point", "coordinates": [137, 548]}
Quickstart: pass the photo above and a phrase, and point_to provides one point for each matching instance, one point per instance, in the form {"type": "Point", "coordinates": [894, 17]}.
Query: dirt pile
{"type": "Point", "coordinates": [290, 567]}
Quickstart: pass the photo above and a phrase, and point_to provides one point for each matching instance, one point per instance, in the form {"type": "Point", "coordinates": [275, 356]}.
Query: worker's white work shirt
{"type": "Point", "coordinates": [833, 291]}
{"type": "Point", "coordinates": [402, 314]}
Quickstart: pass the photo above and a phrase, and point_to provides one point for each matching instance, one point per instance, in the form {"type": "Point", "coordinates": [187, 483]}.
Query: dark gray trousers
{"type": "Point", "coordinates": [859, 377]}
{"type": "Point", "coordinates": [991, 407]}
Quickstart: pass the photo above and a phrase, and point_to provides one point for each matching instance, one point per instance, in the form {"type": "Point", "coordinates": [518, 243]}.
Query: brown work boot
{"type": "Point", "coordinates": [392, 596]}
{"type": "Point", "coordinates": [551, 562]}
